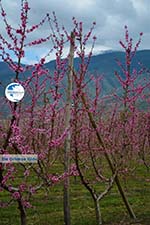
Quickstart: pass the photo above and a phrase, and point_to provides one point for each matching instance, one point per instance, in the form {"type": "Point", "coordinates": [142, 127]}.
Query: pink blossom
{"type": "Point", "coordinates": [27, 173]}
{"type": "Point", "coordinates": [26, 204]}
{"type": "Point", "coordinates": [16, 195]}
{"type": "Point", "coordinates": [22, 187]}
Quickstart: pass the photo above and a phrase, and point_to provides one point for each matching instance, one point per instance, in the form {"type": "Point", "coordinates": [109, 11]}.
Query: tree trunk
{"type": "Point", "coordinates": [23, 219]}
{"type": "Point", "coordinates": [67, 219]}
{"type": "Point", "coordinates": [98, 212]}
{"type": "Point", "coordinates": [125, 199]}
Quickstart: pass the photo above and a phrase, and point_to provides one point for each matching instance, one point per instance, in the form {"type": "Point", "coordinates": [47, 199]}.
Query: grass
{"type": "Point", "coordinates": [48, 210]}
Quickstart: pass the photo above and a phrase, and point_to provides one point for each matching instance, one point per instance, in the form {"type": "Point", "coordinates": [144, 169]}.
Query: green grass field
{"type": "Point", "coordinates": [48, 209]}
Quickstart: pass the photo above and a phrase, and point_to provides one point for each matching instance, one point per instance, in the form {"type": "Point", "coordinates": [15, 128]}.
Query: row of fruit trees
{"type": "Point", "coordinates": [61, 118]}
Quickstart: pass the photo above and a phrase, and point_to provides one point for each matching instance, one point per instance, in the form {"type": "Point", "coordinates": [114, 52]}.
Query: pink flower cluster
{"type": "Point", "coordinates": [16, 195]}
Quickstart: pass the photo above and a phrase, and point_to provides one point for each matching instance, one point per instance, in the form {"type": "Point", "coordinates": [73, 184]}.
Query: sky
{"type": "Point", "coordinates": [110, 16]}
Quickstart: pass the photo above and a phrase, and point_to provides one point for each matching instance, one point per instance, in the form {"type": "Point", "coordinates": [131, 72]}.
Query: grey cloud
{"type": "Point", "coordinates": [110, 17]}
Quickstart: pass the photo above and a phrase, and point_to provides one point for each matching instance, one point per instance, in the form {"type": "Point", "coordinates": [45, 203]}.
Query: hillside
{"type": "Point", "coordinates": [101, 65]}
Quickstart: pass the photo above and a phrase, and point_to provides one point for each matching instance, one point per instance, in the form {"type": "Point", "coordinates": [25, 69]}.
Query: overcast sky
{"type": "Point", "coordinates": [110, 16]}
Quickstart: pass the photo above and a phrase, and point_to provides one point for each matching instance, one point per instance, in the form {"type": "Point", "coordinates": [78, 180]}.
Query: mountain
{"type": "Point", "coordinates": [102, 65]}
{"type": "Point", "coordinates": [105, 65]}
